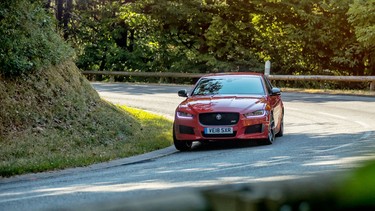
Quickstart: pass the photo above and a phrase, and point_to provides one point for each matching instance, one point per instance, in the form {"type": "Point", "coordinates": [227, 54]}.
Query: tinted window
{"type": "Point", "coordinates": [238, 85]}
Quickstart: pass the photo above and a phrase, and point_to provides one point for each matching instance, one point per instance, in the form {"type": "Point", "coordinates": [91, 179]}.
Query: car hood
{"type": "Point", "coordinates": [199, 104]}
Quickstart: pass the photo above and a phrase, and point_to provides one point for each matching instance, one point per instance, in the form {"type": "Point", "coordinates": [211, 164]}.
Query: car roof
{"type": "Point", "coordinates": [233, 74]}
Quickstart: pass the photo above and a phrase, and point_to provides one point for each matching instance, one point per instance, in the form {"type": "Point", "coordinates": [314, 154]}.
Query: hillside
{"type": "Point", "coordinates": [54, 119]}
{"type": "Point", "coordinates": [50, 116]}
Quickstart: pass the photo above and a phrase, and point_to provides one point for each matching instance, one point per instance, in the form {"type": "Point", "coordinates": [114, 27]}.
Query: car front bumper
{"type": "Point", "coordinates": [246, 128]}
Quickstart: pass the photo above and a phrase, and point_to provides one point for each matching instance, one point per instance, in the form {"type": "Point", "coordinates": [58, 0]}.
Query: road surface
{"type": "Point", "coordinates": [325, 134]}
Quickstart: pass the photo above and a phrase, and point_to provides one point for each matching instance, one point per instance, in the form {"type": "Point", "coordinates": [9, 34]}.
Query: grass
{"type": "Point", "coordinates": [52, 149]}
{"type": "Point", "coordinates": [54, 120]}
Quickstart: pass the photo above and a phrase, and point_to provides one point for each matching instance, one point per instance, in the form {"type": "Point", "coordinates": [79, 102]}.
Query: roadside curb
{"type": "Point", "coordinates": [134, 159]}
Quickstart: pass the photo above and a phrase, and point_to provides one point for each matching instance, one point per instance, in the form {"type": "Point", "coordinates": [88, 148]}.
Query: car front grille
{"type": "Point", "coordinates": [219, 118]}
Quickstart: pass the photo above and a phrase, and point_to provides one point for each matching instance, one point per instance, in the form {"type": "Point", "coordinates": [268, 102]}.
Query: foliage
{"type": "Point", "coordinates": [28, 41]}
{"type": "Point", "coordinates": [353, 194]}
{"type": "Point", "coordinates": [108, 36]}
{"type": "Point", "coordinates": [207, 34]}
{"type": "Point", "coordinates": [362, 17]}
{"type": "Point", "coordinates": [313, 34]}
{"type": "Point", "coordinates": [299, 37]}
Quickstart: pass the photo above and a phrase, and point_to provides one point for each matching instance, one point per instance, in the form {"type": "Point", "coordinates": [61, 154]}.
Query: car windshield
{"type": "Point", "coordinates": [238, 85]}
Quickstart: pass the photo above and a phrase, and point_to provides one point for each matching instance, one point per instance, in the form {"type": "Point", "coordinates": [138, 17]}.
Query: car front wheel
{"type": "Point", "coordinates": [281, 131]}
{"type": "Point", "coordinates": [181, 145]}
{"type": "Point", "coordinates": [271, 131]}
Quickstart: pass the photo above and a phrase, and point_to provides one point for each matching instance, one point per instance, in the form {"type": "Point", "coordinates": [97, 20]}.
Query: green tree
{"type": "Point", "coordinates": [299, 37]}
{"type": "Point", "coordinates": [109, 35]}
{"type": "Point", "coordinates": [27, 38]}
{"type": "Point", "coordinates": [317, 31]}
{"type": "Point", "coordinates": [211, 35]}
{"type": "Point", "coordinates": [302, 37]}
{"type": "Point", "coordinates": [362, 17]}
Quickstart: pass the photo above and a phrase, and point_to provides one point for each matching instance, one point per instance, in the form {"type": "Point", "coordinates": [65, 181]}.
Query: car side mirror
{"type": "Point", "coordinates": [182, 93]}
{"type": "Point", "coordinates": [275, 91]}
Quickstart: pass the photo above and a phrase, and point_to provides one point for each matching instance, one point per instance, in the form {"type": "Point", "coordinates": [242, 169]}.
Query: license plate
{"type": "Point", "coordinates": [218, 130]}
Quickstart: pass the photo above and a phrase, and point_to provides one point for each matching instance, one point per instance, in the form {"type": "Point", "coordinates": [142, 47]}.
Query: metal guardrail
{"type": "Point", "coordinates": [370, 79]}
{"type": "Point", "coordinates": [145, 74]}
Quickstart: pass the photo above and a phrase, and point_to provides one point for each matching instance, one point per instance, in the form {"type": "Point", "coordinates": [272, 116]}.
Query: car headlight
{"type": "Point", "coordinates": [255, 113]}
{"type": "Point", "coordinates": [184, 114]}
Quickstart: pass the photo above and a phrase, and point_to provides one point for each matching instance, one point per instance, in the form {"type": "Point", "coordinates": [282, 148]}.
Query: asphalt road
{"type": "Point", "coordinates": [324, 134]}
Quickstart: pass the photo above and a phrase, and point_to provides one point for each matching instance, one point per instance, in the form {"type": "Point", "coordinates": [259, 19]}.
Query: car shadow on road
{"type": "Point", "coordinates": [225, 144]}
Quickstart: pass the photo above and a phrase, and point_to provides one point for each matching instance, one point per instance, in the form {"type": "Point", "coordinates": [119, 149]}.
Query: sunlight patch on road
{"type": "Point", "coordinates": [127, 187]}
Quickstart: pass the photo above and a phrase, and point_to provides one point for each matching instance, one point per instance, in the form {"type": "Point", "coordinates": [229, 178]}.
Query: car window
{"type": "Point", "coordinates": [238, 85]}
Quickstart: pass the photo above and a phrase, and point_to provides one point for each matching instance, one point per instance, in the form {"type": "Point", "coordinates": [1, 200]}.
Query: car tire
{"type": "Point", "coordinates": [271, 131]}
{"type": "Point", "coordinates": [281, 131]}
{"type": "Point", "coordinates": [181, 145]}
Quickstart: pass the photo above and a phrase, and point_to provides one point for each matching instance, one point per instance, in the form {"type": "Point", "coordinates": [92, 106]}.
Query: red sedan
{"type": "Point", "coordinates": [229, 106]}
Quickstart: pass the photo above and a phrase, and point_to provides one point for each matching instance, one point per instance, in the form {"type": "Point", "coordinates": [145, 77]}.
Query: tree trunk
{"type": "Point", "coordinates": [122, 39]}
{"type": "Point", "coordinates": [67, 16]}
{"type": "Point", "coordinates": [371, 62]}
{"type": "Point", "coordinates": [103, 60]}
{"type": "Point", "coordinates": [59, 11]}
{"type": "Point", "coordinates": [131, 44]}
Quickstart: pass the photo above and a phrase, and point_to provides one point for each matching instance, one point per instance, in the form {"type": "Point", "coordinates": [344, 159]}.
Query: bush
{"type": "Point", "coordinates": [27, 38]}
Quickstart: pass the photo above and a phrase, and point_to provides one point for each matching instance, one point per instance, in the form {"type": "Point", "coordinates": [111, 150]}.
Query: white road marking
{"type": "Point", "coordinates": [332, 115]}
{"type": "Point", "coordinates": [334, 148]}
{"type": "Point", "coordinates": [367, 126]}
{"type": "Point", "coordinates": [364, 136]}
{"type": "Point", "coordinates": [293, 109]}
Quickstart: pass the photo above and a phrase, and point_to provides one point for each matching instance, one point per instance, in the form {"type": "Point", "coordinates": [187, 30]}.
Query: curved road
{"type": "Point", "coordinates": [323, 134]}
